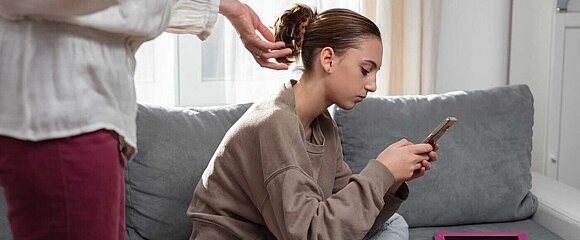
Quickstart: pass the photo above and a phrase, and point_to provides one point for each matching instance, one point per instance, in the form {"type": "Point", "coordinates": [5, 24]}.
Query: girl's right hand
{"type": "Point", "coordinates": [406, 160]}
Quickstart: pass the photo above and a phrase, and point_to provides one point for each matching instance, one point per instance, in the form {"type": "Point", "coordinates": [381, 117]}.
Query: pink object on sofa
{"type": "Point", "coordinates": [480, 235]}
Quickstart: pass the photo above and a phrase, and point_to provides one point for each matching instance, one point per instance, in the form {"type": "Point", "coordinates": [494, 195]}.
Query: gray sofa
{"type": "Point", "coordinates": [481, 182]}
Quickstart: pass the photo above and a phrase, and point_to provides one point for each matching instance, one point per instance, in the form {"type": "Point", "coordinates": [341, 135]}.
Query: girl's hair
{"type": "Point", "coordinates": [306, 32]}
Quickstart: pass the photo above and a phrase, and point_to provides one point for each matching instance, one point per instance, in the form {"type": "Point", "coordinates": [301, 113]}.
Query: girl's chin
{"type": "Point", "coordinates": [347, 106]}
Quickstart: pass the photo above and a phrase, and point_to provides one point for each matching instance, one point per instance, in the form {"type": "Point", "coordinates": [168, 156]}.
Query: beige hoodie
{"type": "Point", "coordinates": [265, 181]}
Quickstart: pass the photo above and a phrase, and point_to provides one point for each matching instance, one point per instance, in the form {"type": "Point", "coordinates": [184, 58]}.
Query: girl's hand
{"type": "Point", "coordinates": [407, 161]}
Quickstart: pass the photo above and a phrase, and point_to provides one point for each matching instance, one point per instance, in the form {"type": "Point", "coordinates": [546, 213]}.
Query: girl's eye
{"type": "Point", "coordinates": [364, 71]}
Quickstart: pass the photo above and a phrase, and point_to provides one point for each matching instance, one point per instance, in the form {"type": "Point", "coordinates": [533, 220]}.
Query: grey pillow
{"type": "Point", "coordinates": [483, 172]}
{"type": "Point", "coordinates": [175, 146]}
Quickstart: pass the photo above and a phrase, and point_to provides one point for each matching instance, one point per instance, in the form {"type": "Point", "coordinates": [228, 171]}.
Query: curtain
{"type": "Point", "coordinates": [410, 30]}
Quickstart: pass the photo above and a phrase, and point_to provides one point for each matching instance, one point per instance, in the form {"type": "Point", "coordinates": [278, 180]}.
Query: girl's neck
{"type": "Point", "coordinates": [310, 98]}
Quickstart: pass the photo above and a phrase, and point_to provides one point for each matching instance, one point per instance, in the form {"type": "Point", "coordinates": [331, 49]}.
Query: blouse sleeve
{"type": "Point", "coordinates": [15, 10]}
{"type": "Point", "coordinates": [197, 17]}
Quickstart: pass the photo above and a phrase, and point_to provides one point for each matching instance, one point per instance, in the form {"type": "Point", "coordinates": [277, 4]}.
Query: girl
{"type": "Point", "coordinates": [279, 172]}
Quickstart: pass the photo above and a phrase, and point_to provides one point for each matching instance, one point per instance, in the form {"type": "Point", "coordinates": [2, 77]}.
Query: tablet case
{"type": "Point", "coordinates": [480, 236]}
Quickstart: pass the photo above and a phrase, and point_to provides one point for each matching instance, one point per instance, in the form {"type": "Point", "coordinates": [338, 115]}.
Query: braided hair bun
{"type": "Point", "coordinates": [290, 28]}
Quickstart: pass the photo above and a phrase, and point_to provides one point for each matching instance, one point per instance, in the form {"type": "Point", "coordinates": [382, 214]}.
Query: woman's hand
{"type": "Point", "coordinates": [246, 22]}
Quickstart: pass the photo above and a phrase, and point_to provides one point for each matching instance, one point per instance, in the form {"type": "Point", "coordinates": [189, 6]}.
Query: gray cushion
{"type": "Point", "coordinates": [483, 172]}
{"type": "Point", "coordinates": [175, 145]}
{"type": "Point", "coordinates": [533, 230]}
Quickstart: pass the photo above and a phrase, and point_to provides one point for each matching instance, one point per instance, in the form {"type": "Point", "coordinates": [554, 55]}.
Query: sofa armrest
{"type": "Point", "coordinates": [558, 208]}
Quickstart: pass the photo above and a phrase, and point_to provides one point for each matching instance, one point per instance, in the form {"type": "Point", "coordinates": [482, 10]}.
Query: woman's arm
{"type": "Point", "coordinates": [198, 17]}
{"type": "Point", "coordinates": [15, 9]}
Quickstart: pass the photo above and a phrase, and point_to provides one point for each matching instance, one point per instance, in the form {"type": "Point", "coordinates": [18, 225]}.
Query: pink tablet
{"type": "Point", "coordinates": [480, 236]}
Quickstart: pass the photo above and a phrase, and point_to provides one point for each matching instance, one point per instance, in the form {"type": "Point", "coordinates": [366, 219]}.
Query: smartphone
{"type": "Point", "coordinates": [440, 130]}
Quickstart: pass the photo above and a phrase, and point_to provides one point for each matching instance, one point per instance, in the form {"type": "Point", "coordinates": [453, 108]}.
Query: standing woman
{"type": "Point", "coordinates": [279, 172]}
{"type": "Point", "coordinates": [68, 107]}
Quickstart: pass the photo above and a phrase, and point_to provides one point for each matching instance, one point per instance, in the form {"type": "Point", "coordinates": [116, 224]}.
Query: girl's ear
{"type": "Point", "coordinates": [327, 56]}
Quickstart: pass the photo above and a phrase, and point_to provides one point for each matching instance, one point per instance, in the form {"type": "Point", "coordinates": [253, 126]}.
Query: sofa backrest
{"type": "Point", "coordinates": [174, 148]}
{"type": "Point", "coordinates": [483, 171]}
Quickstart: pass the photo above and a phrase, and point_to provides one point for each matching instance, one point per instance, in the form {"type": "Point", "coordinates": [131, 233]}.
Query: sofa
{"type": "Point", "coordinates": [481, 182]}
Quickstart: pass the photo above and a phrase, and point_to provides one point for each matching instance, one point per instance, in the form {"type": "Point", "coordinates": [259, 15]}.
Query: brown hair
{"type": "Point", "coordinates": [306, 32]}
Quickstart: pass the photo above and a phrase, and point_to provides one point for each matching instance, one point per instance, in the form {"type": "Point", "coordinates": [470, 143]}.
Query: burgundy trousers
{"type": "Point", "coordinates": [67, 188]}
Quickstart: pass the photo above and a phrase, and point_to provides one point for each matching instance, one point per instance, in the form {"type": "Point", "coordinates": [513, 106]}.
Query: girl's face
{"type": "Point", "coordinates": [355, 73]}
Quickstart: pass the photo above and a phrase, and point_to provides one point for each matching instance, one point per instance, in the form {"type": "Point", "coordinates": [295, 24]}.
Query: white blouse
{"type": "Point", "coordinates": [66, 66]}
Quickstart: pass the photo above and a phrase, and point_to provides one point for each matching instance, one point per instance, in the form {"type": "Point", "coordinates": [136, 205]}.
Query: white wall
{"type": "Point", "coordinates": [478, 49]}
{"type": "Point", "coordinates": [530, 63]}
{"type": "Point", "coordinates": [474, 44]}
{"type": "Point", "coordinates": [484, 44]}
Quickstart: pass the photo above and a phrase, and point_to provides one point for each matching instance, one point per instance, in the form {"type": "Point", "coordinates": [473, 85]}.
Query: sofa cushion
{"type": "Point", "coordinates": [483, 172]}
{"type": "Point", "coordinates": [175, 146]}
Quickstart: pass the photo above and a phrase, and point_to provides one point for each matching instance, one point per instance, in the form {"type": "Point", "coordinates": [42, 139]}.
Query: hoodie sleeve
{"type": "Point", "coordinates": [295, 207]}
